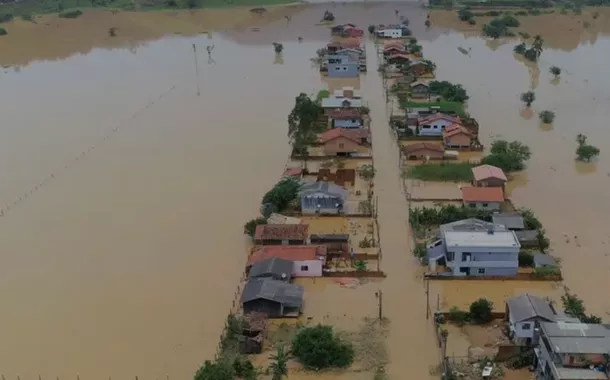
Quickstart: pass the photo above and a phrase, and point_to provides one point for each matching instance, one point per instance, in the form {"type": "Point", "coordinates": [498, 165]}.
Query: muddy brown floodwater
{"type": "Point", "coordinates": [123, 192]}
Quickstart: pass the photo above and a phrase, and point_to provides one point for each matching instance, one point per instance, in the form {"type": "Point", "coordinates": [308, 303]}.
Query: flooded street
{"type": "Point", "coordinates": [124, 193]}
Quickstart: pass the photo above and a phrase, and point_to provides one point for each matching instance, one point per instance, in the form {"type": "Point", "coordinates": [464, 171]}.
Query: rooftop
{"type": "Point", "coordinates": [340, 177]}
{"type": "Point", "coordinates": [322, 189]}
{"type": "Point", "coordinates": [287, 252]}
{"type": "Point", "coordinates": [339, 102]}
{"type": "Point", "coordinates": [438, 116]}
{"type": "Point", "coordinates": [483, 172]}
{"type": "Point", "coordinates": [577, 338]}
{"type": "Point", "coordinates": [356, 134]}
{"type": "Point", "coordinates": [275, 218]}
{"type": "Point", "coordinates": [544, 260]}
{"type": "Point", "coordinates": [455, 129]}
{"type": "Point", "coordinates": [419, 146]}
{"type": "Point", "coordinates": [281, 232]}
{"type": "Point", "coordinates": [273, 266]}
{"type": "Point", "coordinates": [482, 194]}
{"type": "Point", "coordinates": [345, 113]}
{"type": "Point", "coordinates": [471, 225]}
{"type": "Point", "coordinates": [512, 221]}
{"type": "Point", "coordinates": [289, 295]}
{"type": "Point", "coordinates": [526, 306]}
{"type": "Point", "coordinates": [481, 239]}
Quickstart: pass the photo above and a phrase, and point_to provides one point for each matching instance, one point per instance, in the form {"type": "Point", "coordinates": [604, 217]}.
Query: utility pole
{"type": "Point", "coordinates": [380, 303]}
{"type": "Point", "coordinates": [427, 297]}
{"type": "Point", "coordinates": [196, 69]}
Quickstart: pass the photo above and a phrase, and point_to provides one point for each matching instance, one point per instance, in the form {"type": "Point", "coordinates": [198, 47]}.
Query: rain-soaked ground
{"type": "Point", "coordinates": [124, 192]}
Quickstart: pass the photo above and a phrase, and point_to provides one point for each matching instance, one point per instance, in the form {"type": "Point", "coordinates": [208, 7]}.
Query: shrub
{"type": "Point", "coordinates": [367, 172]}
{"type": "Point", "coordinates": [420, 250]}
{"type": "Point", "coordinates": [250, 226]}
{"type": "Point", "coordinates": [465, 14]}
{"type": "Point", "coordinates": [3, 32]}
{"type": "Point", "coordinates": [526, 259]}
{"type": "Point", "coordinates": [508, 156]}
{"type": "Point", "coordinates": [530, 220]}
{"type": "Point", "coordinates": [459, 171]}
{"type": "Point", "coordinates": [480, 311]}
{"type": "Point", "coordinates": [547, 116]}
{"type": "Point", "coordinates": [521, 13]}
{"type": "Point", "coordinates": [222, 370]}
{"type": "Point", "coordinates": [493, 13]}
{"type": "Point", "coordinates": [510, 21]}
{"type": "Point", "coordinates": [520, 48]}
{"type": "Point", "coordinates": [319, 347]}
{"type": "Point", "coordinates": [282, 194]}
{"type": "Point", "coordinates": [71, 14]}
{"type": "Point", "coordinates": [545, 272]}
{"type": "Point", "coordinates": [472, 21]}
{"type": "Point", "coordinates": [372, 29]}
{"type": "Point", "coordinates": [587, 152]}
{"type": "Point", "coordinates": [459, 317]}
{"type": "Point", "coordinates": [6, 17]}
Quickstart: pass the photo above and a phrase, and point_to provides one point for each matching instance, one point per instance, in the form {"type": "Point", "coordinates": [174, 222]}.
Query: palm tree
{"type": "Point", "coordinates": [279, 367]}
{"type": "Point", "coordinates": [537, 44]}
{"type": "Point", "coordinates": [528, 98]}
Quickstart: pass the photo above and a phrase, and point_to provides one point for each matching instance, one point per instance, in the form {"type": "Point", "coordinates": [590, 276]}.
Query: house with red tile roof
{"type": "Point", "coordinates": [344, 142]}
{"type": "Point", "coordinates": [424, 151]}
{"type": "Point", "coordinates": [456, 136]}
{"type": "Point", "coordinates": [483, 198]}
{"type": "Point", "coordinates": [281, 234]}
{"type": "Point", "coordinates": [345, 118]}
{"type": "Point", "coordinates": [307, 260]}
{"type": "Point", "coordinates": [435, 124]}
{"type": "Point", "coordinates": [488, 176]}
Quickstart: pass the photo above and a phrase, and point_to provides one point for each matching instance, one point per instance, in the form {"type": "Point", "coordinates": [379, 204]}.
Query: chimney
{"type": "Point", "coordinates": [348, 93]}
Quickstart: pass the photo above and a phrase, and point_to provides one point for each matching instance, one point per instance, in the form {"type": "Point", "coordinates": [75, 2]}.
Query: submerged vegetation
{"type": "Point", "coordinates": [508, 156]}
{"type": "Point", "coordinates": [458, 171]}
{"type": "Point", "coordinates": [448, 91]}
{"type": "Point", "coordinates": [319, 347]}
{"type": "Point", "coordinates": [547, 116]}
{"type": "Point", "coordinates": [585, 152]}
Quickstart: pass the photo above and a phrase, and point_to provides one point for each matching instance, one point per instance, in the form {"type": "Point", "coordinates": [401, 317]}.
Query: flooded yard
{"type": "Point", "coordinates": [128, 174]}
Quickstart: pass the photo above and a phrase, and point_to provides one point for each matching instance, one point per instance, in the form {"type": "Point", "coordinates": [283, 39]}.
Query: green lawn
{"type": "Point", "coordinates": [456, 107]}
{"type": "Point", "coordinates": [454, 171]}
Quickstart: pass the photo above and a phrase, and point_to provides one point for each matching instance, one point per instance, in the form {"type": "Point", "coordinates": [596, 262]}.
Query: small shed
{"type": "Point", "coordinates": [274, 268]}
{"type": "Point", "coordinates": [527, 238]}
{"type": "Point", "coordinates": [488, 176]}
{"type": "Point", "coordinates": [510, 220]}
{"type": "Point", "coordinates": [523, 313]}
{"type": "Point", "coordinates": [253, 333]}
{"type": "Point", "coordinates": [275, 298]}
{"type": "Point", "coordinates": [543, 260]}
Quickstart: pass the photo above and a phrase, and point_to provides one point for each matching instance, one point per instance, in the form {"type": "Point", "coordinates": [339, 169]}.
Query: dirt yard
{"type": "Point", "coordinates": [428, 190]}
{"type": "Point", "coordinates": [357, 228]}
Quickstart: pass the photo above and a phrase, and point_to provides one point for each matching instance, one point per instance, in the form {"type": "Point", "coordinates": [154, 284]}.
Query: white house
{"type": "Point", "coordinates": [435, 124]}
{"type": "Point", "coordinates": [307, 260]}
{"type": "Point", "coordinates": [523, 312]}
{"type": "Point", "coordinates": [391, 31]}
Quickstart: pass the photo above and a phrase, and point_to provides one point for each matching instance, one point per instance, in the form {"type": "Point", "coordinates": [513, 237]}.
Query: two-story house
{"type": "Point", "coordinates": [523, 313]}
{"type": "Point", "coordinates": [346, 118]}
{"type": "Point", "coordinates": [473, 247]}
{"type": "Point", "coordinates": [435, 124]}
{"type": "Point", "coordinates": [344, 98]}
{"type": "Point", "coordinates": [572, 351]}
{"type": "Point", "coordinates": [342, 66]}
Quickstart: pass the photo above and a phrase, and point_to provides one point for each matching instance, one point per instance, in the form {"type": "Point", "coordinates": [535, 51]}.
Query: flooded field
{"type": "Point", "coordinates": [124, 192]}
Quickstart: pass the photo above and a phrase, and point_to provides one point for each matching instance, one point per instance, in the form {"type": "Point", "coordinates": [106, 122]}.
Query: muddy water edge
{"type": "Point", "coordinates": [127, 190]}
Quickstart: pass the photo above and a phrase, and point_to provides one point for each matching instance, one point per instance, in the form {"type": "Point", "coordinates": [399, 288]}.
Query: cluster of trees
{"type": "Point", "coordinates": [547, 116]}
{"type": "Point", "coordinates": [574, 306]}
{"type": "Point", "coordinates": [449, 91]}
{"type": "Point", "coordinates": [508, 156]}
{"type": "Point", "coordinates": [367, 172]}
{"type": "Point", "coordinates": [226, 369]}
{"type": "Point", "coordinates": [532, 52]}
{"type": "Point", "coordinates": [480, 312]}
{"type": "Point", "coordinates": [585, 152]}
{"type": "Point", "coordinates": [466, 14]}
{"type": "Point", "coordinates": [498, 27]}
{"type": "Point", "coordinates": [426, 217]}
{"type": "Point", "coordinates": [303, 125]}
{"type": "Point", "coordinates": [280, 198]}
{"type": "Point", "coordinates": [328, 16]}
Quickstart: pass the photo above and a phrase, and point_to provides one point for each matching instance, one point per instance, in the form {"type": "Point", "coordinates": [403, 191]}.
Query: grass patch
{"type": "Point", "coordinates": [3, 32]}
{"type": "Point", "coordinates": [455, 171]}
{"type": "Point", "coordinates": [444, 106]}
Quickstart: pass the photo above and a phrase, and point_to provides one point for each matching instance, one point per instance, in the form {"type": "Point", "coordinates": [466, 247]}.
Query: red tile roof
{"type": "Point", "coordinates": [456, 129]}
{"type": "Point", "coordinates": [419, 146]}
{"type": "Point", "coordinates": [488, 171]}
{"type": "Point", "coordinates": [287, 252]}
{"type": "Point", "coordinates": [482, 194]}
{"type": "Point", "coordinates": [405, 56]}
{"type": "Point", "coordinates": [394, 47]}
{"type": "Point", "coordinates": [293, 172]}
{"type": "Point", "coordinates": [345, 113]}
{"type": "Point", "coordinates": [356, 134]}
{"type": "Point", "coordinates": [281, 232]}
{"type": "Point", "coordinates": [439, 116]}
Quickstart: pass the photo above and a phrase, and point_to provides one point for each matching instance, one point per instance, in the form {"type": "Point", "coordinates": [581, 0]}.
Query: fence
{"type": "Point", "coordinates": [518, 277]}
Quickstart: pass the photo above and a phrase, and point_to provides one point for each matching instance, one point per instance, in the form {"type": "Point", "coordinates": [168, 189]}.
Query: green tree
{"type": "Point", "coordinates": [587, 152]}
{"type": "Point", "coordinates": [282, 194]}
{"type": "Point", "coordinates": [556, 71]}
{"type": "Point", "coordinates": [531, 55]}
{"type": "Point", "coordinates": [303, 117]}
{"type": "Point", "coordinates": [507, 156]}
{"type": "Point", "coordinates": [372, 29]}
{"type": "Point", "coordinates": [322, 94]}
{"type": "Point", "coordinates": [279, 365]}
{"type": "Point", "coordinates": [367, 172]}
{"type": "Point", "coordinates": [250, 226]}
{"type": "Point", "coordinates": [360, 266]}
{"type": "Point", "coordinates": [415, 48]}
{"type": "Point", "coordinates": [581, 139]}
{"type": "Point", "coordinates": [3, 32]}
{"type": "Point", "coordinates": [430, 65]}
{"type": "Point", "coordinates": [510, 21]}
{"type": "Point", "coordinates": [221, 370]}
{"type": "Point", "coordinates": [520, 48]}
{"type": "Point", "coordinates": [427, 23]}
{"type": "Point", "coordinates": [575, 307]}
{"type": "Point", "coordinates": [528, 98]}
{"type": "Point", "coordinates": [278, 48]}
{"type": "Point", "coordinates": [538, 44]}
{"type": "Point", "coordinates": [450, 92]}
{"type": "Point", "coordinates": [480, 311]}
{"type": "Point", "coordinates": [543, 242]}
{"type": "Point", "coordinates": [318, 347]}
{"type": "Point", "coordinates": [465, 14]}
{"type": "Point", "coordinates": [547, 116]}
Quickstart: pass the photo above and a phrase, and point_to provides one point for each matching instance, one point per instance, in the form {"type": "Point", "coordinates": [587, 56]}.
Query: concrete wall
{"type": "Point", "coordinates": [435, 128]}
{"type": "Point", "coordinates": [340, 145]}
{"type": "Point", "coordinates": [461, 140]}
{"type": "Point", "coordinates": [344, 70]}
{"type": "Point", "coordinates": [491, 206]}
{"type": "Point", "coordinates": [314, 268]}
{"type": "Point", "coordinates": [492, 262]}
{"type": "Point", "coordinates": [491, 182]}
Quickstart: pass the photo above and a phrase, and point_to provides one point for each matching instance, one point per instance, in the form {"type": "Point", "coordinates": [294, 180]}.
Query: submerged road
{"type": "Point", "coordinates": [411, 339]}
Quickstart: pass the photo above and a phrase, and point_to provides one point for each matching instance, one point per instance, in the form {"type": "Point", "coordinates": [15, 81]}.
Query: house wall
{"type": "Point", "coordinates": [281, 242]}
{"type": "Point", "coordinates": [347, 123]}
{"type": "Point", "coordinates": [344, 70]}
{"type": "Point", "coordinates": [435, 128]}
{"type": "Point", "coordinates": [491, 206]}
{"type": "Point", "coordinates": [340, 145]}
{"type": "Point", "coordinates": [328, 205]}
{"type": "Point", "coordinates": [524, 330]}
{"type": "Point", "coordinates": [390, 33]}
{"type": "Point", "coordinates": [490, 182]}
{"type": "Point", "coordinates": [420, 92]}
{"type": "Point", "coordinates": [460, 140]}
{"type": "Point", "coordinates": [314, 268]}
{"type": "Point", "coordinates": [492, 261]}
{"type": "Point", "coordinates": [273, 309]}
{"type": "Point", "coordinates": [422, 153]}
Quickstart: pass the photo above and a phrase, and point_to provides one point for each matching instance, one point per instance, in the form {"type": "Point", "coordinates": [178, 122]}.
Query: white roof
{"type": "Point", "coordinates": [481, 239]}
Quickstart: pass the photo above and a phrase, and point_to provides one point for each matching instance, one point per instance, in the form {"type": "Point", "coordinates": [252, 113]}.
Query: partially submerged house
{"type": "Point", "coordinates": [424, 151]}
{"type": "Point", "coordinates": [275, 298]}
{"type": "Point", "coordinates": [252, 334]}
{"type": "Point", "coordinates": [344, 98]}
{"type": "Point", "coordinates": [346, 30]}
{"type": "Point", "coordinates": [419, 90]}
{"type": "Point", "coordinates": [341, 177]}
{"type": "Point", "coordinates": [341, 66]}
{"type": "Point", "coordinates": [473, 247]}
{"type": "Point", "coordinates": [394, 48]}
{"type": "Point", "coordinates": [392, 31]}
{"type": "Point", "coordinates": [348, 43]}
{"type": "Point", "coordinates": [398, 59]}
{"type": "Point", "coordinates": [420, 68]}
{"type": "Point", "coordinates": [344, 142]}
{"type": "Point", "coordinates": [572, 351]}
{"type": "Point", "coordinates": [511, 220]}
{"type": "Point", "coordinates": [434, 124]}
{"type": "Point", "coordinates": [523, 313]}
{"type": "Point", "coordinates": [488, 176]}
{"type": "Point", "coordinates": [305, 260]}
{"type": "Point", "coordinates": [322, 198]}
{"type": "Point", "coordinates": [483, 198]}
{"type": "Point", "coordinates": [456, 136]}
{"type": "Point", "coordinates": [274, 268]}
{"type": "Point", "coordinates": [346, 118]}
{"type": "Point", "coordinates": [281, 234]}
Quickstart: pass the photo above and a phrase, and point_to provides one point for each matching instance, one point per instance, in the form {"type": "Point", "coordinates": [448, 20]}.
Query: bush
{"type": "Point", "coordinates": [459, 317]}
{"type": "Point", "coordinates": [526, 259]}
{"type": "Point", "coordinates": [222, 370]}
{"type": "Point", "coordinates": [545, 272]}
{"type": "Point", "coordinates": [472, 21]}
{"type": "Point", "coordinates": [450, 92]}
{"type": "Point", "coordinates": [530, 220]}
{"type": "Point", "coordinates": [6, 17]}
{"type": "Point", "coordinates": [480, 311]}
{"type": "Point", "coordinates": [71, 14]}
{"type": "Point", "coordinates": [547, 116]}
{"type": "Point", "coordinates": [426, 217]}
{"type": "Point", "coordinates": [465, 14]}
{"type": "Point", "coordinates": [282, 194]}
{"type": "Point", "coordinates": [493, 13]}
{"type": "Point", "coordinates": [250, 226]}
{"type": "Point", "coordinates": [3, 32]}
{"type": "Point", "coordinates": [508, 156]}
{"type": "Point", "coordinates": [510, 21]}
{"type": "Point", "coordinates": [521, 13]}
{"type": "Point", "coordinates": [420, 250]}
{"type": "Point", "coordinates": [319, 347]}
{"type": "Point", "coordinates": [459, 171]}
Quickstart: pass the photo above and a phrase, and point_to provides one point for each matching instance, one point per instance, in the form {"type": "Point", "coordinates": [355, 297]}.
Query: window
{"type": "Point", "coordinates": [472, 205]}
{"type": "Point", "coordinates": [341, 146]}
{"type": "Point", "coordinates": [304, 268]}
{"type": "Point", "coordinates": [450, 256]}
{"type": "Point", "coordinates": [338, 68]}
{"type": "Point", "coordinates": [485, 204]}
{"type": "Point", "coordinates": [526, 326]}
{"type": "Point", "coordinates": [481, 270]}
